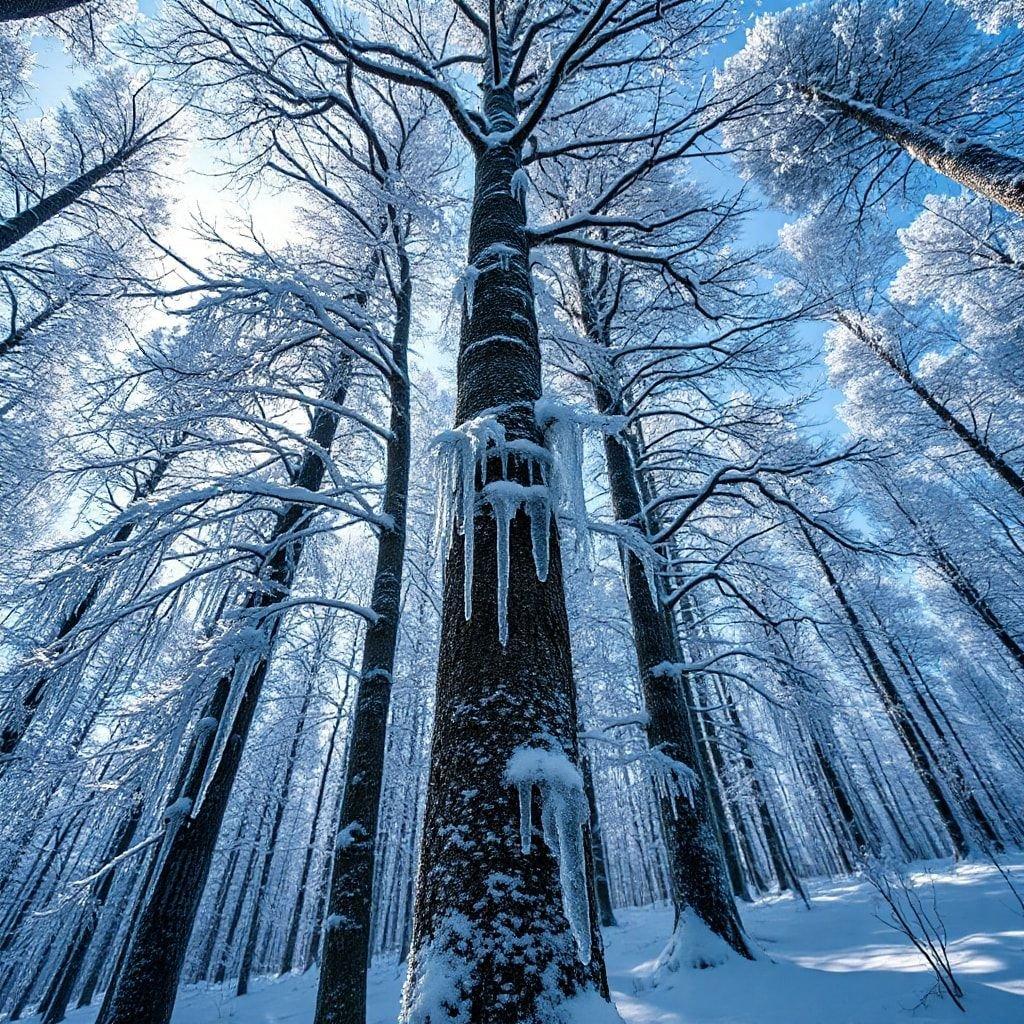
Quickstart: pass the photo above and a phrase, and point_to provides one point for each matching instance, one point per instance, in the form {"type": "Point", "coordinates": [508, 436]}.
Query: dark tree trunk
{"type": "Point", "coordinates": [20, 714]}
{"type": "Point", "coordinates": [18, 10]}
{"type": "Point", "coordinates": [341, 995]}
{"type": "Point", "coordinates": [699, 875]}
{"type": "Point", "coordinates": [67, 973]}
{"type": "Point", "coordinates": [16, 338]}
{"type": "Point", "coordinates": [989, 172]}
{"type": "Point", "coordinates": [602, 893]}
{"type": "Point", "coordinates": [24, 223]}
{"type": "Point", "coordinates": [839, 794]}
{"type": "Point", "coordinates": [145, 988]}
{"type": "Point", "coordinates": [895, 708]}
{"type": "Point", "coordinates": [204, 959]}
{"type": "Point", "coordinates": [281, 804]}
{"type": "Point", "coordinates": [244, 888]}
{"type": "Point", "coordinates": [960, 430]}
{"type": "Point", "coordinates": [508, 944]}
{"type": "Point", "coordinates": [292, 938]}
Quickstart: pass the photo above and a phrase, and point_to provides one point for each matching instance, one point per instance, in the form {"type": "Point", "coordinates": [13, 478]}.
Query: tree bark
{"type": "Point", "coordinates": [145, 989]}
{"type": "Point", "coordinates": [989, 172]}
{"type": "Point", "coordinates": [894, 706]}
{"type": "Point", "coordinates": [19, 715]}
{"type": "Point", "coordinates": [492, 915]}
{"type": "Point", "coordinates": [341, 994]}
{"type": "Point", "coordinates": [18, 10]}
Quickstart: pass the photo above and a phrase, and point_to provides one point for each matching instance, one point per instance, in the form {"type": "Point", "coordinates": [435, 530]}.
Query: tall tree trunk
{"type": "Point", "coordinates": [508, 946]}
{"type": "Point", "coordinates": [22, 711]}
{"type": "Point", "coordinates": [18, 10]}
{"type": "Point", "coordinates": [895, 708]}
{"type": "Point", "coordinates": [145, 988]}
{"type": "Point", "coordinates": [699, 875]}
{"type": "Point", "coordinates": [960, 430]}
{"type": "Point", "coordinates": [601, 891]}
{"type": "Point", "coordinates": [24, 223]}
{"type": "Point", "coordinates": [67, 973]}
{"type": "Point", "coordinates": [244, 888]}
{"type": "Point", "coordinates": [292, 937]}
{"type": "Point", "coordinates": [989, 172]}
{"type": "Point", "coordinates": [341, 994]}
{"type": "Point", "coordinates": [281, 804]}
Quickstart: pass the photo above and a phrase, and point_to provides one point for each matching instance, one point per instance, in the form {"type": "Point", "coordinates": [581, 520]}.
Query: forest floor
{"type": "Point", "coordinates": [836, 963]}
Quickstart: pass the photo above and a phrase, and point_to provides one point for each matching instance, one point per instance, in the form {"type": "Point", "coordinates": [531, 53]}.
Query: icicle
{"type": "Point", "coordinates": [525, 815]}
{"type": "Point", "coordinates": [464, 291]}
{"type": "Point", "coordinates": [564, 813]}
{"type": "Point", "coordinates": [539, 511]}
{"type": "Point", "coordinates": [504, 506]}
{"type": "Point", "coordinates": [520, 185]}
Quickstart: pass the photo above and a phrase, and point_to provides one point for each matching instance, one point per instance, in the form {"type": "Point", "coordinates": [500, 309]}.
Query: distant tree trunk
{"type": "Point", "coordinates": [341, 994]}
{"type": "Point", "coordinates": [18, 10]}
{"type": "Point", "coordinates": [204, 959]}
{"type": "Point", "coordinates": [897, 711]}
{"type": "Point", "coordinates": [145, 989]}
{"type": "Point", "coordinates": [989, 172]}
{"type": "Point", "coordinates": [66, 976]}
{"type": "Point", "coordinates": [839, 794]}
{"type": "Point", "coordinates": [601, 891]}
{"type": "Point", "coordinates": [281, 804]}
{"type": "Point", "coordinates": [244, 888]}
{"type": "Point", "coordinates": [959, 429]}
{"type": "Point", "coordinates": [508, 945]}
{"type": "Point", "coordinates": [961, 583]}
{"type": "Point", "coordinates": [21, 712]}
{"type": "Point", "coordinates": [292, 937]}
{"type": "Point", "coordinates": [15, 228]}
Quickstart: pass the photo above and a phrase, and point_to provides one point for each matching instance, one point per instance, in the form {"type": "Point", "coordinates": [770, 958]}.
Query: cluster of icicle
{"type": "Point", "coordinates": [553, 475]}
{"type": "Point", "coordinates": [672, 779]}
{"type": "Point", "coordinates": [564, 813]}
{"type": "Point", "coordinates": [462, 457]}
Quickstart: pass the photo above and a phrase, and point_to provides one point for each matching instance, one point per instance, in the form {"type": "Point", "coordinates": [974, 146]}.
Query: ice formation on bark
{"type": "Point", "coordinates": [463, 455]}
{"type": "Point", "coordinates": [564, 814]}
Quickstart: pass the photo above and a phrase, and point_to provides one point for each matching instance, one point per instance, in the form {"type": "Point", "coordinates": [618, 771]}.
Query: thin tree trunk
{"type": "Point", "coordinates": [20, 714]}
{"type": "Point", "coordinates": [24, 223]}
{"type": "Point", "coordinates": [16, 338]}
{"type": "Point", "coordinates": [281, 804]}
{"type": "Point", "coordinates": [960, 430]}
{"type": "Point", "coordinates": [145, 989]}
{"type": "Point", "coordinates": [989, 172]}
{"type": "Point", "coordinates": [66, 975]}
{"type": "Point", "coordinates": [601, 890]}
{"type": "Point", "coordinates": [508, 946]}
{"type": "Point", "coordinates": [894, 706]}
{"type": "Point", "coordinates": [291, 941]}
{"type": "Point", "coordinates": [341, 994]}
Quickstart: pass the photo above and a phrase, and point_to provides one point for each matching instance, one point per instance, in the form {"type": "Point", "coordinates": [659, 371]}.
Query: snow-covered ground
{"type": "Point", "coordinates": [836, 963]}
